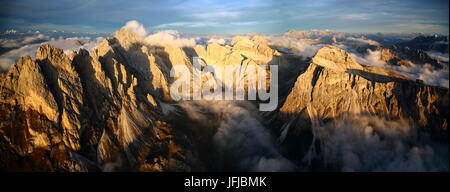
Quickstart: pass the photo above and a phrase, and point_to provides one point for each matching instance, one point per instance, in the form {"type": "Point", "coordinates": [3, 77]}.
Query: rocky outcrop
{"type": "Point", "coordinates": [416, 56]}
{"type": "Point", "coordinates": [257, 48]}
{"type": "Point", "coordinates": [24, 85]}
{"type": "Point", "coordinates": [339, 60]}
{"type": "Point", "coordinates": [334, 85]}
{"type": "Point", "coordinates": [389, 57]}
{"type": "Point", "coordinates": [427, 43]}
{"type": "Point", "coordinates": [65, 86]}
{"type": "Point", "coordinates": [415, 51]}
{"type": "Point", "coordinates": [87, 113]}
{"type": "Point", "coordinates": [40, 127]}
{"type": "Point", "coordinates": [336, 59]}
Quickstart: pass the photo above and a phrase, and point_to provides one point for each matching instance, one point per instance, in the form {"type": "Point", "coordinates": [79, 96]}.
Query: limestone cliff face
{"type": "Point", "coordinates": [41, 113]}
{"type": "Point", "coordinates": [245, 52]}
{"type": "Point", "coordinates": [25, 85]}
{"type": "Point", "coordinates": [65, 85]}
{"type": "Point", "coordinates": [106, 111]}
{"type": "Point", "coordinates": [334, 85]}
{"type": "Point", "coordinates": [99, 112]}
{"type": "Point", "coordinates": [257, 48]}
{"type": "Point", "coordinates": [336, 59]}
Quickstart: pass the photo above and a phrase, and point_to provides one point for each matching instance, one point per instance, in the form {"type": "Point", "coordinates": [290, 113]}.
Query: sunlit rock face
{"type": "Point", "coordinates": [334, 86]}
{"type": "Point", "coordinates": [331, 87]}
{"type": "Point", "coordinates": [335, 59]}
{"type": "Point", "coordinates": [99, 112]}
{"type": "Point", "coordinates": [112, 111]}
{"type": "Point", "coordinates": [89, 112]}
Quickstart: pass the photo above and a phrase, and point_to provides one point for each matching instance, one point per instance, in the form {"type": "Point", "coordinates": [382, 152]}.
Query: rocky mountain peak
{"type": "Point", "coordinates": [335, 58]}
{"type": "Point", "coordinates": [127, 38]}
{"type": "Point", "coordinates": [216, 52]}
{"type": "Point", "coordinates": [55, 56]}
{"type": "Point", "coordinates": [257, 48]}
{"type": "Point", "coordinates": [260, 40]}
{"type": "Point", "coordinates": [334, 85]}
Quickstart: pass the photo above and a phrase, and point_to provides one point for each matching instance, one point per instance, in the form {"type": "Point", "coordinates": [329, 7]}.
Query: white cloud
{"type": "Point", "coordinates": [10, 43]}
{"type": "Point", "coordinates": [218, 41]}
{"type": "Point", "coordinates": [67, 44]}
{"type": "Point", "coordinates": [136, 28]}
{"type": "Point", "coordinates": [297, 46]}
{"type": "Point", "coordinates": [438, 55]}
{"type": "Point", "coordinates": [217, 15]}
{"type": "Point", "coordinates": [370, 143]}
{"type": "Point", "coordinates": [355, 16]}
{"type": "Point", "coordinates": [372, 58]}
{"type": "Point", "coordinates": [362, 41]}
{"type": "Point", "coordinates": [75, 43]}
{"type": "Point", "coordinates": [429, 74]}
{"type": "Point", "coordinates": [169, 37]}
{"type": "Point", "coordinates": [30, 39]}
{"type": "Point", "coordinates": [242, 140]}
{"type": "Point", "coordinates": [5, 64]}
{"type": "Point", "coordinates": [427, 28]}
{"type": "Point", "coordinates": [160, 38]}
{"type": "Point", "coordinates": [187, 24]}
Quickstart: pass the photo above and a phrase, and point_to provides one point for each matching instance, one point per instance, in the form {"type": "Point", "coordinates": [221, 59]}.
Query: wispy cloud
{"type": "Point", "coordinates": [217, 15]}
{"type": "Point", "coordinates": [429, 28]}
{"type": "Point", "coordinates": [355, 16]}
{"type": "Point", "coordinates": [186, 24]}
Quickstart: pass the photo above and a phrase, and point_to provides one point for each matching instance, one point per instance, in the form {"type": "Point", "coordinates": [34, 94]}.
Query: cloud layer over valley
{"type": "Point", "coordinates": [27, 45]}
{"type": "Point", "coordinates": [369, 143]}
{"type": "Point", "coordinates": [426, 72]}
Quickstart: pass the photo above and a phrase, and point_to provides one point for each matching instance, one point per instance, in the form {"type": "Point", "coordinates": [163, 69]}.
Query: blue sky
{"type": "Point", "coordinates": [228, 16]}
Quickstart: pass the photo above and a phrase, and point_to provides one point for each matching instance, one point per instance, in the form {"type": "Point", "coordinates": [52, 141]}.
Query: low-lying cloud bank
{"type": "Point", "coordinates": [429, 74]}
{"type": "Point", "coordinates": [241, 137]}
{"type": "Point", "coordinates": [362, 41]}
{"type": "Point", "coordinates": [370, 143]}
{"type": "Point", "coordinates": [29, 45]}
{"type": "Point", "coordinates": [296, 46]}
{"type": "Point", "coordinates": [18, 42]}
{"type": "Point", "coordinates": [438, 55]}
{"type": "Point", "coordinates": [218, 41]}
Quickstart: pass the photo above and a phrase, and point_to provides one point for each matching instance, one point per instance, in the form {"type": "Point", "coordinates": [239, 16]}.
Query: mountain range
{"type": "Point", "coordinates": [111, 110]}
